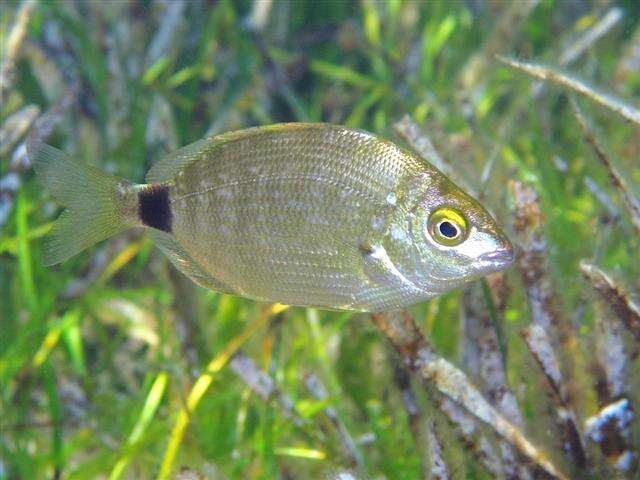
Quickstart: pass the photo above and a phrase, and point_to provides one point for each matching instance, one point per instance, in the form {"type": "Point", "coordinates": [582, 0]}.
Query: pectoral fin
{"type": "Point", "coordinates": [380, 270]}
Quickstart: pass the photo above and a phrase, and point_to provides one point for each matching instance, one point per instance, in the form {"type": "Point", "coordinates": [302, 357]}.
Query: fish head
{"type": "Point", "coordinates": [454, 238]}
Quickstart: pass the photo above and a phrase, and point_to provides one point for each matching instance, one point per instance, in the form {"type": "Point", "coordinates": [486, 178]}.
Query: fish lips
{"type": "Point", "coordinates": [498, 259]}
{"type": "Point", "coordinates": [503, 256]}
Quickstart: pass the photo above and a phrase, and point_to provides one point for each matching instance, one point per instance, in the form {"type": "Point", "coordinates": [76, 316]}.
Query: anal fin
{"type": "Point", "coordinates": [185, 263]}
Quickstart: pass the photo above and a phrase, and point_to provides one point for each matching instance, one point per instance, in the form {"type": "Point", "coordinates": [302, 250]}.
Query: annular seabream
{"type": "Point", "coordinates": [303, 214]}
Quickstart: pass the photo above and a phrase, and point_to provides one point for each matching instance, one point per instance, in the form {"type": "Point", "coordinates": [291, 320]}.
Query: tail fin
{"type": "Point", "coordinates": [93, 199]}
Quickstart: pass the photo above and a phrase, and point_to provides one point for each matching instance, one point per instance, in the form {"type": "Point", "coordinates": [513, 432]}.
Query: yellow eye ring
{"type": "Point", "coordinates": [447, 227]}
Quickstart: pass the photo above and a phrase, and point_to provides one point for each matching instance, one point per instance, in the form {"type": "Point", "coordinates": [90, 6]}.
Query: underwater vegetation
{"type": "Point", "coordinates": [115, 365]}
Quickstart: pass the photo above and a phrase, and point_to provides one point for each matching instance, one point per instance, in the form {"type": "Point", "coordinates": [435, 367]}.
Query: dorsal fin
{"type": "Point", "coordinates": [167, 168]}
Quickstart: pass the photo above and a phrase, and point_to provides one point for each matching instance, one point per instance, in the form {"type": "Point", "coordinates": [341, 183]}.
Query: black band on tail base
{"type": "Point", "coordinates": [154, 208]}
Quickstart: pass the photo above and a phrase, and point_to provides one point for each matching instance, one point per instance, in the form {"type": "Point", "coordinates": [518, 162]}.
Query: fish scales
{"type": "Point", "coordinates": [304, 214]}
{"type": "Point", "coordinates": [288, 208]}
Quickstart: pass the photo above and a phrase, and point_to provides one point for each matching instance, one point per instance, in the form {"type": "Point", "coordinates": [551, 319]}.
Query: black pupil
{"type": "Point", "coordinates": [447, 229]}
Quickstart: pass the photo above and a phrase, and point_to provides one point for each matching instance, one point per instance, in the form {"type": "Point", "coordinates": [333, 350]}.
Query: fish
{"type": "Point", "coordinates": [304, 214]}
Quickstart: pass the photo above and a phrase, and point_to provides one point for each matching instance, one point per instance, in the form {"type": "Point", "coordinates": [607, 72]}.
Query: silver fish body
{"type": "Point", "coordinates": [314, 215]}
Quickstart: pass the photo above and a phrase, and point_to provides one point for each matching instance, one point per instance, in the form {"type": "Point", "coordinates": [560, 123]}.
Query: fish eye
{"type": "Point", "coordinates": [447, 227]}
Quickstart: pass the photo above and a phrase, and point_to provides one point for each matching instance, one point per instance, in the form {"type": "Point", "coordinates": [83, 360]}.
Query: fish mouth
{"type": "Point", "coordinates": [502, 257]}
